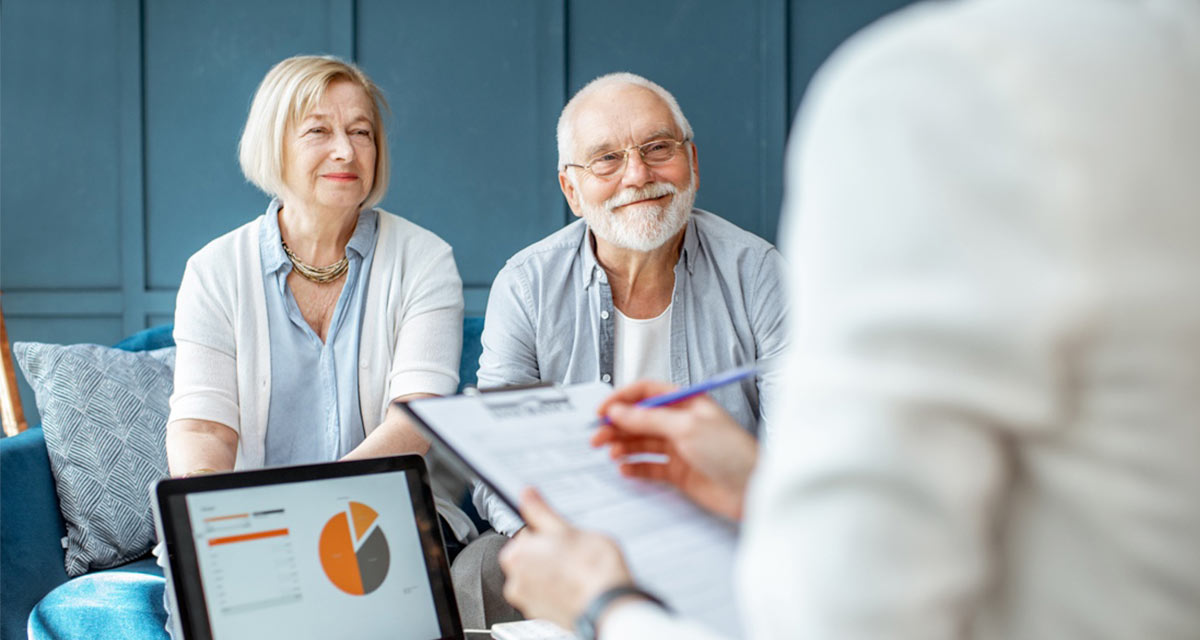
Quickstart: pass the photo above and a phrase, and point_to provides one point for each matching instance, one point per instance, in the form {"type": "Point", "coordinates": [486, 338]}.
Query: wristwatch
{"type": "Point", "coordinates": [585, 625]}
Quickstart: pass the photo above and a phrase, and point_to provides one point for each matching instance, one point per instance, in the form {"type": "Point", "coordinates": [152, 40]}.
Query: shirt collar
{"type": "Point", "coordinates": [363, 237]}
{"type": "Point", "coordinates": [270, 238]}
{"type": "Point", "coordinates": [691, 244]}
{"type": "Point", "coordinates": [270, 241]}
{"type": "Point", "coordinates": [592, 271]}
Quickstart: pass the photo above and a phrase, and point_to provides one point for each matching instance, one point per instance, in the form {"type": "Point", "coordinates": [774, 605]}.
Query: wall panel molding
{"type": "Point", "coordinates": [44, 303]}
{"type": "Point", "coordinates": [773, 116]}
{"type": "Point", "coordinates": [552, 87]}
{"type": "Point", "coordinates": [343, 38]}
{"type": "Point", "coordinates": [60, 167]}
{"type": "Point", "coordinates": [132, 166]}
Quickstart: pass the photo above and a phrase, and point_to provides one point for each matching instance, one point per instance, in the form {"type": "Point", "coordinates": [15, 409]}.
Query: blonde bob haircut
{"type": "Point", "coordinates": [288, 93]}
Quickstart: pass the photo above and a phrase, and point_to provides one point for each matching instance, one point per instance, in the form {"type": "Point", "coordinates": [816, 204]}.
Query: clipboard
{"type": "Point", "coordinates": [455, 459]}
{"type": "Point", "coordinates": [539, 436]}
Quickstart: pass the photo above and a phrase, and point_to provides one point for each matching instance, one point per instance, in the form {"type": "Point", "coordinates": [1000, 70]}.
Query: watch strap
{"type": "Point", "coordinates": [585, 625]}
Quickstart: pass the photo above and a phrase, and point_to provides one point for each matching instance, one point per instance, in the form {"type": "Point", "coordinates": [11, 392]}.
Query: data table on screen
{"type": "Point", "coordinates": [250, 562]}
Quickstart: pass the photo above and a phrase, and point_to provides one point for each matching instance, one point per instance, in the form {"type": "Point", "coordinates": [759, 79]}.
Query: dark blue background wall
{"type": "Point", "coordinates": [120, 120]}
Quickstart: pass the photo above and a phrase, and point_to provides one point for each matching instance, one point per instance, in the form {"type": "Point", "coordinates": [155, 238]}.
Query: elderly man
{"type": "Point", "coordinates": [644, 286]}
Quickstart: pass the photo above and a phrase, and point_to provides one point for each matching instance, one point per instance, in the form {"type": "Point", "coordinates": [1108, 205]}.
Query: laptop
{"type": "Point", "coordinates": [336, 550]}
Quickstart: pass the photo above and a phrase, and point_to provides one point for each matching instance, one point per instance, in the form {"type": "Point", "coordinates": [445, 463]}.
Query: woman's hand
{"type": "Point", "coordinates": [553, 570]}
{"type": "Point", "coordinates": [708, 456]}
{"type": "Point", "coordinates": [200, 446]}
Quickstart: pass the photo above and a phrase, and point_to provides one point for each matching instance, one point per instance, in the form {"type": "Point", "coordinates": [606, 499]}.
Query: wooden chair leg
{"type": "Point", "coordinates": [10, 398]}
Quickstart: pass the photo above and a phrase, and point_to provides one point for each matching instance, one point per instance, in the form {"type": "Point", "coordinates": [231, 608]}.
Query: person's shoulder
{"type": "Point", "coordinates": [727, 235]}
{"type": "Point", "coordinates": [229, 247]}
{"type": "Point", "coordinates": [919, 24]}
{"type": "Point", "coordinates": [401, 232]}
{"type": "Point", "coordinates": [955, 36]}
{"type": "Point", "coordinates": [558, 248]}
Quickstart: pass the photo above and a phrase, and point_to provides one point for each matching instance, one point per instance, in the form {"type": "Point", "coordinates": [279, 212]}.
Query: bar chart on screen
{"type": "Point", "coordinates": [354, 551]}
{"type": "Point", "coordinates": [250, 562]}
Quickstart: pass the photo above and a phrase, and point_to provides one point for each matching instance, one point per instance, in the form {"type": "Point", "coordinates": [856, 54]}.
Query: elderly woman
{"type": "Point", "coordinates": [297, 330]}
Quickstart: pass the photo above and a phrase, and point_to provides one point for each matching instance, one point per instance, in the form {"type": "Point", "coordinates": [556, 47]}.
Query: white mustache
{"type": "Point", "coordinates": [633, 194]}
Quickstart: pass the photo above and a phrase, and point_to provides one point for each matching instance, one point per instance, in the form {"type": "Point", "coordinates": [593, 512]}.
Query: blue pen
{"type": "Point", "coordinates": [679, 395]}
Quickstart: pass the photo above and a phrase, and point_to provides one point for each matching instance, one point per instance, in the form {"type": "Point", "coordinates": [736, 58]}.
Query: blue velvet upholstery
{"type": "Point", "coordinates": [468, 364]}
{"type": "Point", "coordinates": [125, 602]}
{"type": "Point", "coordinates": [31, 527]}
{"type": "Point", "coordinates": [31, 556]}
{"type": "Point", "coordinates": [149, 339]}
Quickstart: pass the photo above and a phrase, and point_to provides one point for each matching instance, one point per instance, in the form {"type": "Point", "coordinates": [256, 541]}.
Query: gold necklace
{"type": "Point", "coordinates": [319, 275]}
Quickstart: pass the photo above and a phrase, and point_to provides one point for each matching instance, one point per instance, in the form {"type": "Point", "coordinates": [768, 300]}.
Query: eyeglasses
{"type": "Point", "coordinates": [654, 153]}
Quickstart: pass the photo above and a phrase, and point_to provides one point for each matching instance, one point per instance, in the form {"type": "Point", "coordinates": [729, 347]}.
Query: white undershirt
{"type": "Point", "coordinates": [642, 348]}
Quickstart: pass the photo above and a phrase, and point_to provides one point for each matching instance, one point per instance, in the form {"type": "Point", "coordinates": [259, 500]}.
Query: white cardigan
{"type": "Point", "coordinates": [411, 331]}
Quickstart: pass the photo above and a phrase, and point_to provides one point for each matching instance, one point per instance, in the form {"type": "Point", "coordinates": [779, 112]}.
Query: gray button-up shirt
{"type": "Point", "coordinates": [550, 318]}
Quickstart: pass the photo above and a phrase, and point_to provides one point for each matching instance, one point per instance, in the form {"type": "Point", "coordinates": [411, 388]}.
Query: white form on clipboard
{"type": "Point", "coordinates": [539, 437]}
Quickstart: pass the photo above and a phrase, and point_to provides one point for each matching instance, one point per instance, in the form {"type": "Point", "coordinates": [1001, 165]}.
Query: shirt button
{"type": "Point", "coordinates": [606, 378]}
{"type": "Point", "coordinates": [604, 315]}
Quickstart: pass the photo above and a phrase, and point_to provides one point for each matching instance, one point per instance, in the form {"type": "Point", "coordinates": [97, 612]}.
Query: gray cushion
{"type": "Point", "coordinates": [104, 413]}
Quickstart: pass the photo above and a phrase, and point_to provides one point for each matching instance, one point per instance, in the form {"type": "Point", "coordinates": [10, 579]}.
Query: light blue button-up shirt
{"type": "Point", "coordinates": [314, 413]}
{"type": "Point", "coordinates": [550, 318]}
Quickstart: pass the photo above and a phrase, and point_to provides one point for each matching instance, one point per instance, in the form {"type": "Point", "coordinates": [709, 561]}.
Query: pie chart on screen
{"type": "Point", "coordinates": [354, 551]}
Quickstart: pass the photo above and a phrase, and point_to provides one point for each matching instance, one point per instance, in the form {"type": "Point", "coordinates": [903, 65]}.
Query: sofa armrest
{"type": "Point", "coordinates": [31, 530]}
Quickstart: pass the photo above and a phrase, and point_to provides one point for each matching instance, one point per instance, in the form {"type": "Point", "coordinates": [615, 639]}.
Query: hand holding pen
{"type": "Point", "coordinates": [695, 446]}
{"type": "Point", "coordinates": [679, 395]}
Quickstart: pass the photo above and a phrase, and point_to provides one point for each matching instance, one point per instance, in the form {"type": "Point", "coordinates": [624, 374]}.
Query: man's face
{"type": "Point", "coordinates": [641, 207]}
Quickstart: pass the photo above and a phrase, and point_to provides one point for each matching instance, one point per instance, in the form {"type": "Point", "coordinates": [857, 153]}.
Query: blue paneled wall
{"type": "Point", "coordinates": [120, 120]}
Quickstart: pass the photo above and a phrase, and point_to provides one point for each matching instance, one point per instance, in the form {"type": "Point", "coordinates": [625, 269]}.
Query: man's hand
{"type": "Point", "coordinates": [553, 570]}
{"type": "Point", "coordinates": [708, 456]}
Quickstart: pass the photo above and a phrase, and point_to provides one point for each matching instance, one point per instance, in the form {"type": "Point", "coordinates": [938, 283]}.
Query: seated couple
{"type": "Point", "coordinates": [368, 306]}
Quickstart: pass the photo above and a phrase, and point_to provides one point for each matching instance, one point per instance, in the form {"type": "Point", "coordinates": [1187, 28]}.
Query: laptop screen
{"type": "Point", "coordinates": [337, 557]}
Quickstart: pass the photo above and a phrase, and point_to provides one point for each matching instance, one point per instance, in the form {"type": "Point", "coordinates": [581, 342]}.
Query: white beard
{"type": "Point", "coordinates": [642, 227]}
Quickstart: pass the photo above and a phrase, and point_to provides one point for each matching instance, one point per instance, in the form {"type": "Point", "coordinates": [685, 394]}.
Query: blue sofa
{"type": "Point", "coordinates": [124, 602]}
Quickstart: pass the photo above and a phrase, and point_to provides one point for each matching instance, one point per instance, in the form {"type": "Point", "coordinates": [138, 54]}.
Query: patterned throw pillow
{"type": "Point", "coordinates": [104, 414]}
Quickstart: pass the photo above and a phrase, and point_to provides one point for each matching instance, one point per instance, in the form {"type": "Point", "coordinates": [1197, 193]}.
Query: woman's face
{"type": "Point", "coordinates": [329, 157]}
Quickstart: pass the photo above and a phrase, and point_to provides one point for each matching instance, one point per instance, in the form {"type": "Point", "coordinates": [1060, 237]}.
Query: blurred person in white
{"type": "Point", "coordinates": [991, 418]}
